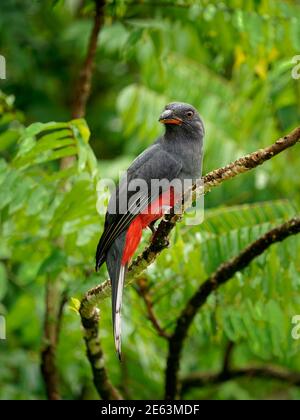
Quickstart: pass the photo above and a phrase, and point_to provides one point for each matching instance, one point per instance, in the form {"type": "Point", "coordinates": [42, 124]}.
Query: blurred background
{"type": "Point", "coordinates": [233, 61]}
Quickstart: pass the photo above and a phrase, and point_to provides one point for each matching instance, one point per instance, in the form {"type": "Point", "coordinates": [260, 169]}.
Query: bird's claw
{"type": "Point", "coordinates": [166, 243]}
{"type": "Point", "coordinates": [179, 217]}
{"type": "Point", "coordinates": [152, 228]}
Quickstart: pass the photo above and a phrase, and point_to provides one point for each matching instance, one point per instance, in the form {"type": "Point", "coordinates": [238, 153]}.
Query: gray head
{"type": "Point", "coordinates": [182, 117]}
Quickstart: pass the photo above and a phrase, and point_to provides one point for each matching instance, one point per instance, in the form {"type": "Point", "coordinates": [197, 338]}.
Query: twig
{"type": "Point", "coordinates": [224, 273]}
{"type": "Point", "coordinates": [63, 302]}
{"type": "Point", "coordinates": [53, 313]}
{"type": "Point", "coordinates": [90, 323]}
{"type": "Point", "coordinates": [96, 358]}
{"type": "Point", "coordinates": [201, 379]}
{"type": "Point", "coordinates": [83, 86]}
{"type": "Point", "coordinates": [227, 358]}
{"type": "Point", "coordinates": [84, 83]}
{"type": "Point", "coordinates": [94, 296]}
{"type": "Point", "coordinates": [144, 293]}
{"type": "Point", "coordinates": [52, 322]}
{"type": "Point", "coordinates": [160, 240]}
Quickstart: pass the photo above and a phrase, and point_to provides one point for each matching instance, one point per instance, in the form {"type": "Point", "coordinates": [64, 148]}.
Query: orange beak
{"type": "Point", "coordinates": [167, 117]}
{"type": "Point", "coordinates": [176, 121]}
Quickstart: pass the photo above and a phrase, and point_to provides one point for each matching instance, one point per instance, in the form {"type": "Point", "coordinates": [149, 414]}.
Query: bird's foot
{"type": "Point", "coordinates": [152, 227]}
{"type": "Point", "coordinates": [165, 218]}
{"type": "Point", "coordinates": [166, 243]}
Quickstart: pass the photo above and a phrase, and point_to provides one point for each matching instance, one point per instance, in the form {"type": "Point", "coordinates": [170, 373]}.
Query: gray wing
{"type": "Point", "coordinates": [154, 163]}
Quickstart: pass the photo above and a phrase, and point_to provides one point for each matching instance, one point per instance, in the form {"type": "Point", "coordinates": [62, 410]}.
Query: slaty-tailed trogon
{"type": "Point", "coordinates": [175, 155]}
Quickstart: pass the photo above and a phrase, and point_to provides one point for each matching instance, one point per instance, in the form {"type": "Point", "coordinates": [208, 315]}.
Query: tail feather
{"type": "Point", "coordinates": [117, 272]}
{"type": "Point", "coordinates": [99, 261]}
{"type": "Point", "coordinates": [100, 255]}
{"type": "Point", "coordinates": [117, 307]}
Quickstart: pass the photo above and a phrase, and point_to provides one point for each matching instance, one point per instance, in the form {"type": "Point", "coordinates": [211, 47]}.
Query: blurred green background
{"type": "Point", "coordinates": [232, 60]}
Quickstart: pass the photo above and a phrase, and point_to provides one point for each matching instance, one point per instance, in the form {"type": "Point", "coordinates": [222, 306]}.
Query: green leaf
{"type": "Point", "coordinates": [75, 305]}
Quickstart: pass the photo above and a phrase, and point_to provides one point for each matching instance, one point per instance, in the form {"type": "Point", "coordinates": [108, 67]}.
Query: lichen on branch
{"type": "Point", "coordinates": [160, 240]}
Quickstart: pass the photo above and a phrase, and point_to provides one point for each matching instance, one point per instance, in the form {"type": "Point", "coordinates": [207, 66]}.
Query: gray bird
{"type": "Point", "coordinates": [177, 155]}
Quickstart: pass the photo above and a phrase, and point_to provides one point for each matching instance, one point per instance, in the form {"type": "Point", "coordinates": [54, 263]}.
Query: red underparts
{"type": "Point", "coordinates": [153, 212]}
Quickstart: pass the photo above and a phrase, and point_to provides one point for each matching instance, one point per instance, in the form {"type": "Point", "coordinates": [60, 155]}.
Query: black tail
{"type": "Point", "coordinates": [100, 255]}
{"type": "Point", "coordinates": [117, 273]}
{"type": "Point", "coordinates": [99, 261]}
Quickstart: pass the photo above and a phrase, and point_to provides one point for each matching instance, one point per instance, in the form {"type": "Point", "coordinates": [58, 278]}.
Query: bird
{"type": "Point", "coordinates": [175, 155]}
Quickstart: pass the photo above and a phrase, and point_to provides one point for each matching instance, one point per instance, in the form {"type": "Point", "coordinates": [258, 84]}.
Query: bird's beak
{"type": "Point", "coordinates": [167, 117]}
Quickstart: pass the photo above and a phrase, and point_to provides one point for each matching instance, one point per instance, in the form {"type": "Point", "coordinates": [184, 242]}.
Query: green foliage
{"type": "Point", "coordinates": [42, 205]}
{"type": "Point", "coordinates": [232, 60]}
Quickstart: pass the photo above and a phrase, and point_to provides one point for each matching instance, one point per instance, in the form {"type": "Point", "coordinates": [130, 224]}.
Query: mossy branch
{"type": "Point", "coordinates": [160, 240]}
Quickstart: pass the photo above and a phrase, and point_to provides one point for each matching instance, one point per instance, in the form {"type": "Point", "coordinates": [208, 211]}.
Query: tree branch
{"type": "Point", "coordinates": [84, 83]}
{"type": "Point", "coordinates": [52, 323]}
{"type": "Point", "coordinates": [201, 379]}
{"type": "Point", "coordinates": [90, 322]}
{"type": "Point", "coordinates": [96, 358]}
{"type": "Point", "coordinates": [54, 309]}
{"type": "Point", "coordinates": [227, 358]}
{"type": "Point", "coordinates": [143, 291]}
{"type": "Point", "coordinates": [83, 86]}
{"type": "Point", "coordinates": [224, 273]}
{"type": "Point", "coordinates": [160, 240]}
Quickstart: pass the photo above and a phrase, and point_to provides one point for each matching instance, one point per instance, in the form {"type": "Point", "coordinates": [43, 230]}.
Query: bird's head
{"type": "Point", "coordinates": [180, 114]}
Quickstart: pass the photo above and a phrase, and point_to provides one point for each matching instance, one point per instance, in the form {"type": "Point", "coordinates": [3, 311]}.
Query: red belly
{"type": "Point", "coordinates": [153, 212]}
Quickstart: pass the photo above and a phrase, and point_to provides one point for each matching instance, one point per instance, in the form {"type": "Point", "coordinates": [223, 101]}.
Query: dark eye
{"type": "Point", "coordinates": [189, 114]}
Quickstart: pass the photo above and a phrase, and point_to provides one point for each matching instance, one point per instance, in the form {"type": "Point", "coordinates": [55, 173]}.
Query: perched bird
{"type": "Point", "coordinates": [177, 155]}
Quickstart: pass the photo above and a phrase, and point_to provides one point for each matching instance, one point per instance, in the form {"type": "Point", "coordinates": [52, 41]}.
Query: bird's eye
{"type": "Point", "coordinates": [189, 114]}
